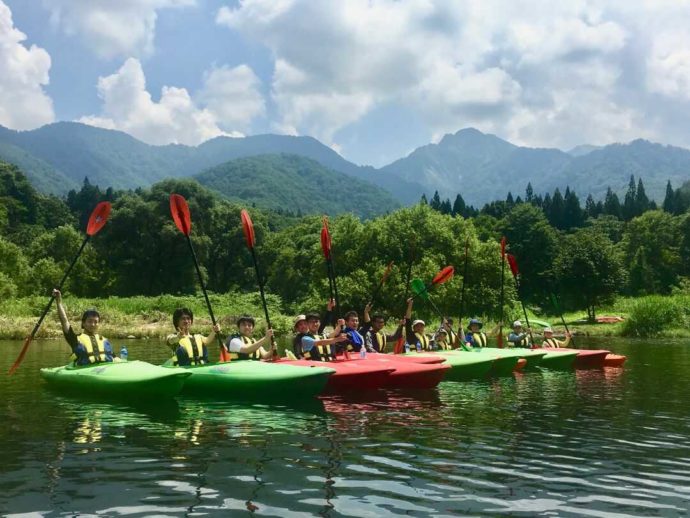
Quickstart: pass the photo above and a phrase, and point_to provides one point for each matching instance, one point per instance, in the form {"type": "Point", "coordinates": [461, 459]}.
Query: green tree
{"type": "Point", "coordinates": [612, 205]}
{"type": "Point", "coordinates": [588, 270]}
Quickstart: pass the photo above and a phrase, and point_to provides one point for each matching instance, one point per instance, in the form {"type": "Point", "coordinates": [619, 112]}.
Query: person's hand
{"type": "Point", "coordinates": [341, 338]}
{"type": "Point", "coordinates": [57, 295]}
{"type": "Point", "coordinates": [216, 328]}
{"type": "Point", "coordinates": [341, 322]}
{"type": "Point", "coordinates": [367, 308]}
{"type": "Point", "coordinates": [330, 305]}
{"type": "Point", "coordinates": [409, 301]}
{"type": "Point", "coordinates": [402, 321]}
{"type": "Point", "coordinates": [568, 334]}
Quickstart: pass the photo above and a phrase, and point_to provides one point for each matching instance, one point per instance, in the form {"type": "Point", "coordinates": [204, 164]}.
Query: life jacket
{"type": "Point", "coordinates": [297, 345]}
{"type": "Point", "coordinates": [423, 341]}
{"type": "Point", "coordinates": [522, 343]}
{"type": "Point", "coordinates": [95, 347]}
{"type": "Point", "coordinates": [479, 339]}
{"type": "Point", "coordinates": [319, 352]}
{"type": "Point", "coordinates": [443, 346]}
{"type": "Point", "coordinates": [194, 346]}
{"type": "Point", "coordinates": [378, 341]}
{"type": "Point", "coordinates": [550, 342]}
{"type": "Point", "coordinates": [246, 340]}
{"type": "Point", "coordinates": [452, 335]}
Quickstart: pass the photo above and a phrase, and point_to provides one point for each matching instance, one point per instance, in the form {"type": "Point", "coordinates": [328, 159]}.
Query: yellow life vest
{"type": "Point", "coordinates": [194, 346]}
{"type": "Point", "coordinates": [423, 341]}
{"type": "Point", "coordinates": [551, 342]}
{"type": "Point", "coordinates": [443, 346]}
{"type": "Point", "coordinates": [522, 343]}
{"type": "Point", "coordinates": [479, 339]}
{"type": "Point", "coordinates": [324, 351]}
{"type": "Point", "coordinates": [381, 340]}
{"type": "Point", "coordinates": [452, 335]}
{"type": "Point", "coordinates": [94, 345]}
{"type": "Point", "coordinates": [246, 340]}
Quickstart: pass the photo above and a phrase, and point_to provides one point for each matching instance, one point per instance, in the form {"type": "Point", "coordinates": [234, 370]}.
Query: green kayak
{"type": "Point", "coordinates": [534, 358]}
{"type": "Point", "coordinates": [466, 366]}
{"type": "Point", "coordinates": [255, 380]}
{"type": "Point", "coordinates": [503, 360]}
{"type": "Point", "coordinates": [133, 379]}
{"type": "Point", "coordinates": [559, 360]}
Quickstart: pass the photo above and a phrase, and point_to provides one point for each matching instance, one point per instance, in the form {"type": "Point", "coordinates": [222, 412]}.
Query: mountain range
{"type": "Point", "coordinates": [481, 167]}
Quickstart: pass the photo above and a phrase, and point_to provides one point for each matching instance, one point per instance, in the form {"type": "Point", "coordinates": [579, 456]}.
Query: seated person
{"type": "Point", "coordinates": [475, 337]}
{"type": "Point", "coordinates": [243, 347]}
{"type": "Point", "coordinates": [188, 348]}
{"type": "Point", "coordinates": [414, 331]}
{"type": "Point", "coordinates": [316, 346]}
{"type": "Point", "coordinates": [550, 341]}
{"type": "Point", "coordinates": [519, 337]}
{"type": "Point", "coordinates": [88, 346]}
{"type": "Point", "coordinates": [372, 331]}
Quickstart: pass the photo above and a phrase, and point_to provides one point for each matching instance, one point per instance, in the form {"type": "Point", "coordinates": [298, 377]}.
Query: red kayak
{"type": "Point", "coordinates": [586, 358]}
{"type": "Point", "coordinates": [350, 374]}
{"type": "Point", "coordinates": [408, 374]}
{"type": "Point", "coordinates": [614, 360]}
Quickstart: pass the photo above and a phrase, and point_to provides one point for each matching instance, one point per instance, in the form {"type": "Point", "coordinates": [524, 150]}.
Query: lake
{"type": "Point", "coordinates": [609, 442]}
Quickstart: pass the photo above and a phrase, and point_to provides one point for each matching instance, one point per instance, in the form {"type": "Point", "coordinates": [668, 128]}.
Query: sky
{"type": "Point", "coordinates": [373, 79]}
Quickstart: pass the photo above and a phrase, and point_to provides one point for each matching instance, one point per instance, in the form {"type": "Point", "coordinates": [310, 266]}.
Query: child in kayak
{"type": "Point", "coordinates": [88, 346]}
{"type": "Point", "coordinates": [372, 331]}
{"type": "Point", "coordinates": [550, 341]}
{"type": "Point", "coordinates": [316, 346]}
{"type": "Point", "coordinates": [243, 347]}
{"type": "Point", "coordinates": [519, 337]}
{"type": "Point", "coordinates": [188, 348]}
{"type": "Point", "coordinates": [414, 331]}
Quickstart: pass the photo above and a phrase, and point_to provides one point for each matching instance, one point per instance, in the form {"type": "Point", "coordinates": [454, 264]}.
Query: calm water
{"type": "Point", "coordinates": [612, 442]}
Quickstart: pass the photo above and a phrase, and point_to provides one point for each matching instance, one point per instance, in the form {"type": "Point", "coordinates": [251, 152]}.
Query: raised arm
{"type": "Point", "coordinates": [61, 311]}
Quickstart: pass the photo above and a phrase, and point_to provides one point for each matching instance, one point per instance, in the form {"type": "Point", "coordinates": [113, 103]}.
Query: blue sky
{"type": "Point", "coordinates": [372, 79]}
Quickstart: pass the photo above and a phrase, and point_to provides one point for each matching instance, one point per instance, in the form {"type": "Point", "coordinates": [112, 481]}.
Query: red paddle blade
{"type": "Point", "coordinates": [180, 213]}
{"type": "Point", "coordinates": [248, 229]}
{"type": "Point", "coordinates": [387, 272]}
{"type": "Point", "coordinates": [443, 276]}
{"type": "Point", "coordinates": [503, 247]}
{"type": "Point", "coordinates": [98, 218]}
{"type": "Point", "coordinates": [22, 353]}
{"type": "Point", "coordinates": [325, 239]}
{"type": "Point", "coordinates": [399, 346]}
{"type": "Point", "coordinates": [513, 265]}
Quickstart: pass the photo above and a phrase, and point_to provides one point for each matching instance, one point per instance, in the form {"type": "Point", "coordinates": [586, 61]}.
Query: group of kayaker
{"type": "Point", "coordinates": [309, 341]}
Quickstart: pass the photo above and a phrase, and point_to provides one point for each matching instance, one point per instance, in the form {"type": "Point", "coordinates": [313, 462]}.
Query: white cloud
{"type": "Point", "coordinates": [24, 71]}
{"type": "Point", "coordinates": [221, 108]}
{"type": "Point", "coordinates": [541, 73]}
{"type": "Point", "coordinates": [112, 28]}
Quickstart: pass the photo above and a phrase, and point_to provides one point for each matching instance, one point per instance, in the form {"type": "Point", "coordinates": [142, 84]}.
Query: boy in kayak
{"type": "Point", "coordinates": [88, 346]}
{"type": "Point", "coordinates": [519, 337]}
{"type": "Point", "coordinates": [316, 346]}
{"type": "Point", "coordinates": [414, 331]}
{"type": "Point", "coordinates": [372, 331]}
{"type": "Point", "coordinates": [355, 340]}
{"type": "Point", "coordinates": [550, 341]}
{"type": "Point", "coordinates": [475, 337]}
{"type": "Point", "coordinates": [243, 347]}
{"type": "Point", "coordinates": [188, 348]}
{"type": "Point", "coordinates": [453, 338]}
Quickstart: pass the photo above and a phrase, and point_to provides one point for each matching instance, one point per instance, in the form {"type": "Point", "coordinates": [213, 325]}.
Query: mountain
{"type": "Point", "coordinates": [484, 167]}
{"type": "Point", "coordinates": [295, 183]}
{"type": "Point", "coordinates": [115, 159]}
{"type": "Point", "coordinates": [582, 150]}
{"type": "Point", "coordinates": [42, 175]}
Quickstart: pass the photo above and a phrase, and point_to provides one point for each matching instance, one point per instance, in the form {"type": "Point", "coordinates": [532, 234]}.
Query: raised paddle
{"type": "Point", "coordinates": [464, 282]}
{"type": "Point", "coordinates": [512, 262]}
{"type": "Point", "coordinates": [554, 299]}
{"type": "Point", "coordinates": [399, 346]}
{"type": "Point", "coordinates": [384, 277]}
{"type": "Point", "coordinates": [326, 244]}
{"type": "Point", "coordinates": [420, 289]}
{"type": "Point", "coordinates": [499, 338]}
{"type": "Point", "coordinates": [248, 229]}
{"type": "Point", "coordinates": [96, 221]}
{"type": "Point", "coordinates": [183, 221]}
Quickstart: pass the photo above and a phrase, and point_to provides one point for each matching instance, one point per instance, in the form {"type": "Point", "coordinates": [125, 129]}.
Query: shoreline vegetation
{"type": "Point", "coordinates": [142, 317]}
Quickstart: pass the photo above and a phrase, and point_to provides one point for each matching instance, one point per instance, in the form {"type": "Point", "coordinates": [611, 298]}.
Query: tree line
{"type": "Point", "coordinates": [140, 252]}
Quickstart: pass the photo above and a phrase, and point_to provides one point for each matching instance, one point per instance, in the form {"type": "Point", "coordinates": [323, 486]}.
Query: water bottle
{"type": "Point", "coordinates": [123, 353]}
{"type": "Point", "coordinates": [362, 352]}
{"type": "Point", "coordinates": [407, 347]}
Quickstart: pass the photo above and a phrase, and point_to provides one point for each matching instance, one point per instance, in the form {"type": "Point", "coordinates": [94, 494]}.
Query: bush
{"type": "Point", "coordinates": [649, 316]}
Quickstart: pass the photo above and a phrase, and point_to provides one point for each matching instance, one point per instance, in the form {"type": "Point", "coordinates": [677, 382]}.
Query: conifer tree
{"type": "Point", "coordinates": [459, 206]}
{"type": "Point", "coordinates": [612, 205]}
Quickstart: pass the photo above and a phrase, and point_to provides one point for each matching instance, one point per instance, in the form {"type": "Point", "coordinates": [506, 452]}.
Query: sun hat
{"type": "Point", "coordinates": [517, 323]}
{"type": "Point", "coordinates": [548, 330]}
{"type": "Point", "coordinates": [418, 322]}
{"type": "Point", "coordinates": [475, 321]}
{"type": "Point", "coordinates": [300, 318]}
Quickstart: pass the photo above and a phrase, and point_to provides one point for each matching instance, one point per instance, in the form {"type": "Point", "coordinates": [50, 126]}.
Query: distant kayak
{"type": "Point", "coordinates": [348, 375]}
{"type": "Point", "coordinates": [131, 379]}
{"type": "Point", "coordinates": [255, 380]}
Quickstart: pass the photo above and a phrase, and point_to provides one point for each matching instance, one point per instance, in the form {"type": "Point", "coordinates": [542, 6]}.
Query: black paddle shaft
{"type": "Point", "coordinates": [524, 311]}
{"type": "Point", "coordinates": [62, 282]}
{"type": "Point", "coordinates": [261, 292]}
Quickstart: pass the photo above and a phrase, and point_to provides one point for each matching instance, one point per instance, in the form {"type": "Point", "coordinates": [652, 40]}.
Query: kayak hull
{"type": "Point", "coordinates": [118, 379]}
{"type": "Point", "coordinates": [348, 375]}
{"type": "Point", "coordinates": [589, 358]}
{"type": "Point", "coordinates": [255, 380]}
{"type": "Point", "coordinates": [559, 360]}
{"type": "Point", "coordinates": [409, 374]}
{"type": "Point", "coordinates": [614, 360]}
{"type": "Point", "coordinates": [503, 363]}
{"type": "Point", "coordinates": [464, 365]}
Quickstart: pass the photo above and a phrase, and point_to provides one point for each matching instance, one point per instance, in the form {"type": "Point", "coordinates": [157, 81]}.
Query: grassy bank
{"type": "Point", "coordinates": [151, 317]}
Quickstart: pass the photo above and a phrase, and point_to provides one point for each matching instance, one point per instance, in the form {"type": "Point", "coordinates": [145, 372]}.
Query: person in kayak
{"type": "Point", "coordinates": [453, 338]}
{"type": "Point", "coordinates": [439, 341]}
{"type": "Point", "coordinates": [372, 331]}
{"type": "Point", "coordinates": [550, 341]}
{"type": "Point", "coordinates": [300, 329]}
{"type": "Point", "coordinates": [475, 337]}
{"type": "Point", "coordinates": [88, 346]}
{"type": "Point", "coordinates": [414, 331]}
{"type": "Point", "coordinates": [519, 337]}
{"type": "Point", "coordinates": [242, 346]}
{"type": "Point", "coordinates": [316, 346]}
{"type": "Point", "coordinates": [355, 340]}
{"type": "Point", "coordinates": [188, 348]}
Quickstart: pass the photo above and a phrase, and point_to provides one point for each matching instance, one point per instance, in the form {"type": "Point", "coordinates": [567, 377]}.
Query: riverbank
{"type": "Point", "coordinates": [151, 317]}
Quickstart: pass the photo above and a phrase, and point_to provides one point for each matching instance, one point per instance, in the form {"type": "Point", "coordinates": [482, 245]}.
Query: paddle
{"type": "Point", "coordinates": [499, 338]}
{"type": "Point", "coordinates": [554, 299]}
{"type": "Point", "coordinates": [384, 277]}
{"type": "Point", "coordinates": [400, 343]}
{"type": "Point", "coordinates": [248, 229]}
{"type": "Point", "coordinates": [512, 262]}
{"type": "Point", "coordinates": [183, 221]}
{"type": "Point", "coordinates": [422, 290]}
{"type": "Point", "coordinates": [328, 255]}
{"type": "Point", "coordinates": [96, 221]}
{"type": "Point", "coordinates": [462, 293]}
